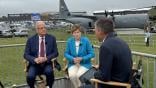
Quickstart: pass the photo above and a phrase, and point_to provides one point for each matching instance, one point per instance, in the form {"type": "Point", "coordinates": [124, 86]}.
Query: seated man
{"type": "Point", "coordinates": [115, 60]}
{"type": "Point", "coordinates": [39, 51]}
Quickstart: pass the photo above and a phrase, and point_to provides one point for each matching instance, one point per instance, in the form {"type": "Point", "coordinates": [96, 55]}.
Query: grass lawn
{"type": "Point", "coordinates": [11, 58]}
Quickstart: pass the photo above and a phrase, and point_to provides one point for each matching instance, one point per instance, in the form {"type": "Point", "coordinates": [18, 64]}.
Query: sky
{"type": "Point", "coordinates": [35, 6]}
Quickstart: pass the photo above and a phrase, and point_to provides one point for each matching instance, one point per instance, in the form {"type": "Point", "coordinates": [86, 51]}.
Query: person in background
{"type": "Point", "coordinates": [79, 52]}
{"type": "Point", "coordinates": [115, 59]}
{"type": "Point", "coordinates": [147, 35]}
{"type": "Point", "coordinates": [39, 51]}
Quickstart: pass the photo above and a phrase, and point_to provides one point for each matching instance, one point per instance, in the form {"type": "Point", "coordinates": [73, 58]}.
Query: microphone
{"type": "Point", "coordinates": [80, 44]}
{"type": "Point", "coordinates": [57, 65]}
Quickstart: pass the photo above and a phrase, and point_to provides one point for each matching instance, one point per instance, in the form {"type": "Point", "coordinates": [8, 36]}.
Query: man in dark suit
{"type": "Point", "coordinates": [39, 51]}
{"type": "Point", "coordinates": [115, 60]}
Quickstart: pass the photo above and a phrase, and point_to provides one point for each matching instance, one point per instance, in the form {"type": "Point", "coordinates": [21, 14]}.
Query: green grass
{"type": "Point", "coordinates": [14, 40]}
{"type": "Point", "coordinates": [62, 35]}
{"type": "Point", "coordinates": [11, 58]}
{"type": "Point", "coordinates": [11, 65]}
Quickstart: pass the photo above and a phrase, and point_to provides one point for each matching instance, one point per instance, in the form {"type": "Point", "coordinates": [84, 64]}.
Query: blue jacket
{"type": "Point", "coordinates": [85, 51]}
{"type": "Point", "coordinates": [32, 48]}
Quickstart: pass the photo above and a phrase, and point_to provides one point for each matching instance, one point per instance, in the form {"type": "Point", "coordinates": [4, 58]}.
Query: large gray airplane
{"type": "Point", "coordinates": [122, 19]}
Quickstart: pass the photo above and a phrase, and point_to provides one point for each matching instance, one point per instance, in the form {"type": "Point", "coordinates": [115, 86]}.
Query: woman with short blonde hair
{"type": "Point", "coordinates": [78, 53]}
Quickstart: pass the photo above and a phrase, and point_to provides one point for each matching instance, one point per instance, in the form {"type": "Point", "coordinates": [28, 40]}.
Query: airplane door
{"type": "Point", "coordinates": [90, 24]}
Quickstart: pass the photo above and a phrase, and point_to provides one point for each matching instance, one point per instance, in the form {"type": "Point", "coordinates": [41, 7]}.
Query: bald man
{"type": "Point", "coordinates": [39, 51]}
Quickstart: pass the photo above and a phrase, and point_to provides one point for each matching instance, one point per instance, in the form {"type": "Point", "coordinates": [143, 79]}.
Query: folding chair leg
{"type": "Point", "coordinates": [1, 85]}
{"type": "Point", "coordinates": [96, 85]}
{"type": "Point", "coordinates": [40, 83]}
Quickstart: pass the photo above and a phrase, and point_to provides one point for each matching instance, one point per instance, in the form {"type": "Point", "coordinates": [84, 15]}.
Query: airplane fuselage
{"type": "Point", "coordinates": [137, 19]}
{"type": "Point", "coordinates": [85, 22]}
{"type": "Point", "coordinates": [131, 20]}
{"type": "Point", "coordinates": [120, 21]}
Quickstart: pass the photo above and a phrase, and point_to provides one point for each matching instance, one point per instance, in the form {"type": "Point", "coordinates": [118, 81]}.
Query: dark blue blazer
{"type": "Point", "coordinates": [32, 48]}
{"type": "Point", "coordinates": [115, 60]}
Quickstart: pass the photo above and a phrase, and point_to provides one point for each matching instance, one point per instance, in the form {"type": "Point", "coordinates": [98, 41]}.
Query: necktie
{"type": "Point", "coordinates": [42, 50]}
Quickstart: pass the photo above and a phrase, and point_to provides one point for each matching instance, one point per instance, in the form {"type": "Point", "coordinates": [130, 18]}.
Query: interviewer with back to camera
{"type": "Point", "coordinates": [78, 53]}
{"type": "Point", "coordinates": [115, 60]}
{"type": "Point", "coordinates": [39, 51]}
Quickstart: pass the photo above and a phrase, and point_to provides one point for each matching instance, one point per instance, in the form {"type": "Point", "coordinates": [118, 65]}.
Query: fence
{"type": "Point", "coordinates": [12, 66]}
{"type": "Point", "coordinates": [138, 39]}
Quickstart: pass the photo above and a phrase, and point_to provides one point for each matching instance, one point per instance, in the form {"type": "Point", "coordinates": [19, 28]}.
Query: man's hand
{"type": "Point", "coordinates": [37, 60]}
{"type": "Point", "coordinates": [40, 60]}
{"type": "Point", "coordinates": [96, 66]}
{"type": "Point", "coordinates": [43, 59]}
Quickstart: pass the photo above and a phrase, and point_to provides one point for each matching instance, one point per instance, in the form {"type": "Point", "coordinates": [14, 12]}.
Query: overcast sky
{"type": "Point", "coordinates": [29, 6]}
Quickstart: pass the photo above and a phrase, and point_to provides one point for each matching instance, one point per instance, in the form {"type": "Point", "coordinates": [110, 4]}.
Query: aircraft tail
{"type": "Point", "coordinates": [63, 10]}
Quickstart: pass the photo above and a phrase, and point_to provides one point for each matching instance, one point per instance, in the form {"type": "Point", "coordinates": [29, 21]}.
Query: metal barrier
{"type": "Point", "coordinates": [138, 39]}
{"type": "Point", "coordinates": [11, 66]}
{"type": "Point", "coordinates": [149, 68]}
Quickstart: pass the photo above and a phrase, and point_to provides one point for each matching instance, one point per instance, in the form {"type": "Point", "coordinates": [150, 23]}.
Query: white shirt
{"type": "Point", "coordinates": [77, 44]}
{"type": "Point", "coordinates": [104, 39]}
{"type": "Point", "coordinates": [40, 39]}
{"type": "Point", "coordinates": [147, 34]}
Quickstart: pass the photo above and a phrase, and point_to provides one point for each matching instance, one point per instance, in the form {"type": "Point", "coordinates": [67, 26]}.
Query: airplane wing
{"type": "Point", "coordinates": [86, 16]}
{"type": "Point", "coordinates": [61, 19]}
{"type": "Point", "coordinates": [123, 11]}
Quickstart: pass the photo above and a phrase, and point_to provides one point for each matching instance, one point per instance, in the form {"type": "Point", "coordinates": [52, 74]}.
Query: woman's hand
{"type": "Point", "coordinates": [77, 60]}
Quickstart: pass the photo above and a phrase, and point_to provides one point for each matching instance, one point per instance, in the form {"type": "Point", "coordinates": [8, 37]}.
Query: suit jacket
{"type": "Point", "coordinates": [85, 51]}
{"type": "Point", "coordinates": [115, 60]}
{"type": "Point", "coordinates": [32, 48]}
